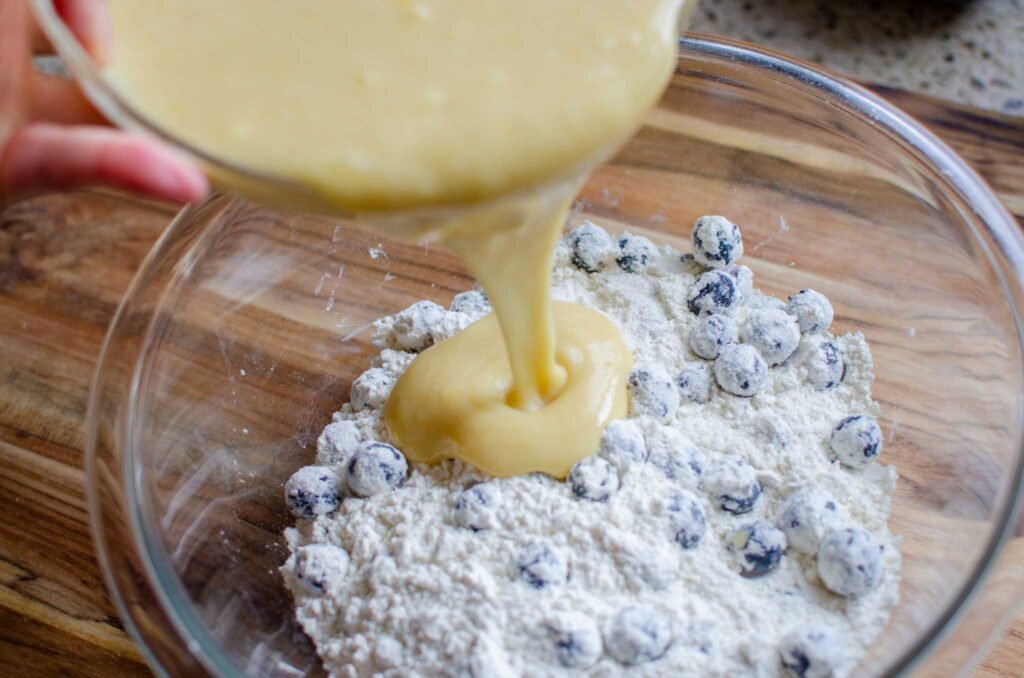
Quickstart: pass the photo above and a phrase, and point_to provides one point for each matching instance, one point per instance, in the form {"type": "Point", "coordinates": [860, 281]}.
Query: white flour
{"type": "Point", "coordinates": [423, 596]}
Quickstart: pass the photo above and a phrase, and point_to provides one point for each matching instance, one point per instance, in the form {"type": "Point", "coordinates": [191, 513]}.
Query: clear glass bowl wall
{"type": "Point", "coordinates": [246, 326]}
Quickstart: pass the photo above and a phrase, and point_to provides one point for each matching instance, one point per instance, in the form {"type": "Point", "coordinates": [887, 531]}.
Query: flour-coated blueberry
{"type": "Point", "coordinates": [686, 516]}
{"type": "Point", "coordinates": [473, 303]}
{"type": "Point", "coordinates": [766, 301]}
{"type": "Point", "coordinates": [635, 253]}
{"type": "Point", "coordinates": [733, 485]}
{"type": "Point", "coordinates": [371, 389]}
{"type": "Point", "coordinates": [772, 431]}
{"type": "Point", "coordinates": [414, 328]}
{"type": "Point", "coordinates": [694, 382]}
{"type": "Point", "coordinates": [577, 639]}
{"type": "Point", "coordinates": [850, 562]}
{"type": "Point", "coordinates": [713, 292]}
{"type": "Point", "coordinates": [541, 566]}
{"type": "Point", "coordinates": [476, 507]}
{"type": "Point", "coordinates": [675, 455]}
{"type": "Point", "coordinates": [622, 444]}
{"type": "Point", "coordinates": [757, 547]}
{"type": "Point", "coordinates": [812, 651]}
{"type": "Point", "coordinates": [775, 334]}
{"type": "Point", "coordinates": [312, 491]}
{"type": "Point", "coordinates": [338, 441]}
{"type": "Point", "coordinates": [652, 392]}
{"type": "Point", "coordinates": [376, 468]}
{"type": "Point", "coordinates": [593, 479]}
{"type": "Point", "coordinates": [716, 241]}
{"type": "Point", "coordinates": [487, 659]}
{"type": "Point", "coordinates": [812, 310]}
{"type": "Point", "coordinates": [592, 247]}
{"type": "Point", "coordinates": [648, 568]}
{"type": "Point", "coordinates": [637, 635]}
{"type": "Point", "coordinates": [317, 565]}
{"type": "Point", "coordinates": [824, 365]}
{"type": "Point", "coordinates": [741, 370]}
{"type": "Point", "coordinates": [856, 441]}
{"type": "Point", "coordinates": [711, 334]}
{"type": "Point", "coordinates": [744, 279]}
{"type": "Point", "coordinates": [807, 515]}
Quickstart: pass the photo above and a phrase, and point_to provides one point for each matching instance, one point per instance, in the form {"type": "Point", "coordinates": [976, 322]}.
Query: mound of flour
{"type": "Point", "coordinates": [423, 596]}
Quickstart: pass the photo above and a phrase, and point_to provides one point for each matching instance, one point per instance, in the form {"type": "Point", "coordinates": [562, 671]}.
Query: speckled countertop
{"type": "Point", "coordinates": [970, 51]}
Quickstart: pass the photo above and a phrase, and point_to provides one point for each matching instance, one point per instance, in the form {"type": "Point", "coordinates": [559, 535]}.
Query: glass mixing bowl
{"type": "Point", "coordinates": [245, 326]}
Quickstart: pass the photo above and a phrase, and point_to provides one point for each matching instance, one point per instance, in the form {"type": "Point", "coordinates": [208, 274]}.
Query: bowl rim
{"type": "Point", "coordinates": [993, 215]}
{"type": "Point", "coordinates": [963, 181]}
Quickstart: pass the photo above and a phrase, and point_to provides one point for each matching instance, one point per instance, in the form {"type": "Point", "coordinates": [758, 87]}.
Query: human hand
{"type": "Point", "coordinates": [51, 138]}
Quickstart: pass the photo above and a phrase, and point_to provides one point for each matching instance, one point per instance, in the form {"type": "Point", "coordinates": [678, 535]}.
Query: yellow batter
{"type": "Point", "coordinates": [456, 402]}
{"type": "Point", "coordinates": [382, 105]}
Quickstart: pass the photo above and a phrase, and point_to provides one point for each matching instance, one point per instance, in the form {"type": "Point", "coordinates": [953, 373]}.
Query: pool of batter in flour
{"type": "Point", "coordinates": [732, 524]}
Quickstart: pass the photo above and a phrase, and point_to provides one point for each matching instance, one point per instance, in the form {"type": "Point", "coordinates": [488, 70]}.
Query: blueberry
{"type": "Point", "coordinates": [806, 516]}
{"type": "Point", "coordinates": [775, 334]}
{"type": "Point", "coordinates": [764, 301]}
{"type": "Point", "coordinates": [850, 562]}
{"type": "Point", "coordinates": [716, 242]}
{"type": "Point", "coordinates": [592, 247]}
{"type": "Point", "coordinates": [812, 651]}
{"type": "Point", "coordinates": [648, 567]}
{"type": "Point", "coordinates": [773, 431]}
{"type": "Point", "coordinates": [541, 566]}
{"type": "Point", "coordinates": [376, 468]}
{"type": "Point", "coordinates": [652, 392]}
{"type": "Point", "coordinates": [856, 441]}
{"type": "Point", "coordinates": [593, 479]}
{"type": "Point", "coordinates": [635, 253]}
{"type": "Point", "coordinates": [371, 389]}
{"type": "Point", "coordinates": [317, 565]}
{"type": "Point", "coordinates": [338, 442]}
{"type": "Point", "coordinates": [687, 518]}
{"type": "Point", "coordinates": [473, 303]}
{"type": "Point", "coordinates": [824, 365]}
{"type": "Point", "coordinates": [487, 659]}
{"type": "Point", "coordinates": [637, 635]}
{"type": "Point", "coordinates": [757, 547]}
{"type": "Point", "coordinates": [675, 455]}
{"type": "Point", "coordinates": [711, 334]}
{"type": "Point", "coordinates": [414, 327]}
{"type": "Point", "coordinates": [694, 382]}
{"type": "Point", "coordinates": [577, 640]}
{"type": "Point", "coordinates": [740, 370]}
{"type": "Point", "coordinates": [476, 508]}
{"type": "Point", "coordinates": [622, 444]}
{"type": "Point", "coordinates": [733, 483]}
{"type": "Point", "coordinates": [812, 310]}
{"type": "Point", "coordinates": [741, 502]}
{"type": "Point", "coordinates": [312, 491]}
{"type": "Point", "coordinates": [713, 292]}
{"type": "Point", "coordinates": [451, 323]}
{"type": "Point", "coordinates": [744, 279]}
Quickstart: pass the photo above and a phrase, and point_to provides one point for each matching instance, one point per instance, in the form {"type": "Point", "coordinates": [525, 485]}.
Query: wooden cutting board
{"type": "Point", "coordinates": [64, 262]}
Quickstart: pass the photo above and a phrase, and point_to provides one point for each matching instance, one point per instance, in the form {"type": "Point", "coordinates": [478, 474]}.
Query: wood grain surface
{"type": "Point", "coordinates": [64, 262]}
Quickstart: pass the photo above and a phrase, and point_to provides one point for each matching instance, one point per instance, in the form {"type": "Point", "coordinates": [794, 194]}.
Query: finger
{"type": "Point", "coordinates": [89, 21]}
{"type": "Point", "coordinates": [45, 157]}
{"type": "Point", "coordinates": [57, 99]}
